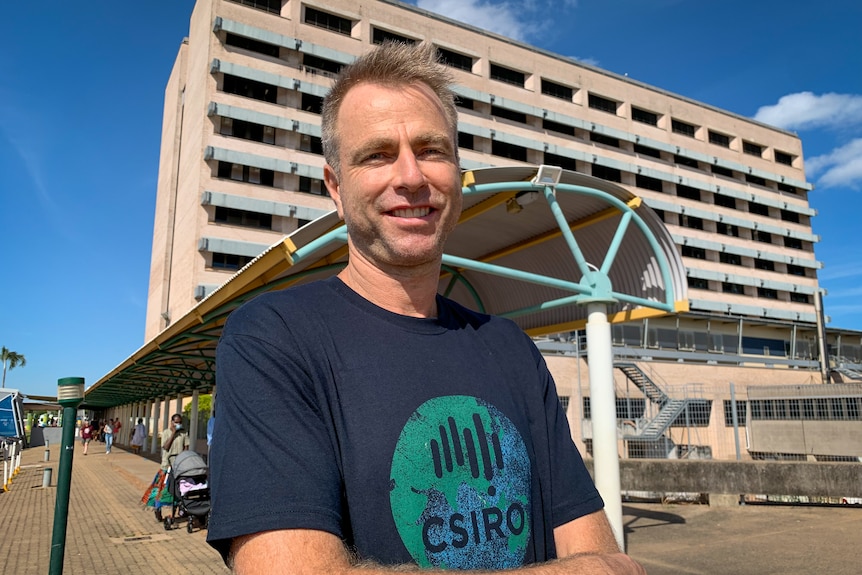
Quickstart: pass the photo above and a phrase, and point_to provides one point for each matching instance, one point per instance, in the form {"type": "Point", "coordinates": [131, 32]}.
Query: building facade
{"type": "Point", "coordinates": [241, 165]}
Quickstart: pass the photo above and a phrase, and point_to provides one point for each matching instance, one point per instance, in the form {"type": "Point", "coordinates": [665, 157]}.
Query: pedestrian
{"type": "Point", "coordinates": [139, 435]}
{"type": "Point", "coordinates": [413, 432]}
{"type": "Point", "coordinates": [108, 434]}
{"type": "Point", "coordinates": [174, 440]}
{"type": "Point", "coordinates": [86, 434]}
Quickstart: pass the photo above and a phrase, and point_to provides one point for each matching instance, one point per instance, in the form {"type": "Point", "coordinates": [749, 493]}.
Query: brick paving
{"type": "Point", "coordinates": [108, 531]}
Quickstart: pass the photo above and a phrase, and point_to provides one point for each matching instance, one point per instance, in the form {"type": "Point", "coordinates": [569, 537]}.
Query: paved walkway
{"type": "Point", "coordinates": [110, 533]}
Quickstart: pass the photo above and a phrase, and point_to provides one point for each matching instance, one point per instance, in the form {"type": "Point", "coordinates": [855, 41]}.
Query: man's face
{"type": "Point", "coordinates": [399, 190]}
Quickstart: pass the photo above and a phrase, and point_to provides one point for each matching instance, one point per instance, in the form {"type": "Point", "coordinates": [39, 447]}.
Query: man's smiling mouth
{"type": "Point", "coordinates": [411, 212]}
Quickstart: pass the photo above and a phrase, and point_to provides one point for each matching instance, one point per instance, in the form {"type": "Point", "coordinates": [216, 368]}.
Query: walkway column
{"type": "Point", "coordinates": [606, 463]}
{"type": "Point", "coordinates": [154, 442]}
{"type": "Point", "coordinates": [193, 424]}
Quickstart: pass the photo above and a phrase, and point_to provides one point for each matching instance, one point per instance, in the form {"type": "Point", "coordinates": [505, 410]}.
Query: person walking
{"type": "Point", "coordinates": [108, 433]}
{"type": "Point", "coordinates": [139, 435]}
{"type": "Point", "coordinates": [174, 440]}
{"type": "Point", "coordinates": [86, 434]}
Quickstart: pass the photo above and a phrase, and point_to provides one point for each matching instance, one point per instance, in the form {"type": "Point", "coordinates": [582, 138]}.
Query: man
{"type": "Point", "coordinates": [412, 430]}
{"type": "Point", "coordinates": [175, 440]}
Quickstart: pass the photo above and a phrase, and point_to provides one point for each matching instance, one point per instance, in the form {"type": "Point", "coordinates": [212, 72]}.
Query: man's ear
{"type": "Point", "coordinates": [330, 180]}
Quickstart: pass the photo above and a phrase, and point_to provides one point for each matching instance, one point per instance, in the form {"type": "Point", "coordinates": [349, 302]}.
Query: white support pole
{"type": "Point", "coordinates": [148, 422]}
{"type": "Point", "coordinates": [154, 443]}
{"type": "Point", "coordinates": [179, 408]}
{"type": "Point", "coordinates": [193, 424]}
{"type": "Point", "coordinates": [606, 462]}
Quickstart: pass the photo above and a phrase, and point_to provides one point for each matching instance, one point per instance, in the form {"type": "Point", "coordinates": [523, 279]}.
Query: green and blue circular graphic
{"type": "Point", "coordinates": [460, 486]}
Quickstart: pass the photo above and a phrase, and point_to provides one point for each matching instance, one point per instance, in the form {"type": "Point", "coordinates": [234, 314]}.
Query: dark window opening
{"type": "Point", "coordinates": [561, 161]}
{"type": "Point", "coordinates": [558, 127]}
{"type": "Point", "coordinates": [752, 149]}
{"type": "Point", "coordinates": [789, 216]}
{"type": "Point", "coordinates": [557, 90]}
{"type": "Point", "coordinates": [463, 102]}
{"type": "Point", "coordinates": [695, 414]}
{"type": "Point", "coordinates": [312, 186]}
{"type": "Point", "coordinates": [767, 265]}
{"type": "Point", "coordinates": [251, 45]}
{"type": "Point", "coordinates": [759, 209]}
{"type": "Point", "coordinates": [511, 151]}
{"type": "Point", "coordinates": [692, 222]}
{"type": "Point", "coordinates": [312, 144]}
{"type": "Point", "coordinates": [647, 151]}
{"type": "Point", "coordinates": [787, 188]}
{"type": "Point", "coordinates": [465, 141]}
{"type": "Point", "coordinates": [644, 117]}
{"type": "Point", "coordinates": [247, 130]}
{"type": "Point", "coordinates": [315, 64]}
{"type": "Point", "coordinates": [244, 218]}
{"type": "Point", "coordinates": [379, 36]}
{"type": "Point", "coordinates": [250, 88]}
{"type": "Point", "coordinates": [783, 158]}
{"type": "Point", "coordinates": [606, 173]}
{"type": "Point", "coordinates": [728, 258]}
{"type": "Point", "coordinates": [796, 270]}
{"type": "Point", "coordinates": [509, 114]}
{"type": "Point", "coordinates": [693, 252]}
{"type": "Point", "coordinates": [755, 180]}
{"type": "Point", "coordinates": [248, 174]}
{"type": "Point", "coordinates": [680, 127]}
{"type": "Point", "coordinates": [767, 293]}
{"type": "Point", "coordinates": [733, 288]}
{"type": "Point", "coordinates": [312, 103]}
{"type": "Point", "coordinates": [698, 283]}
{"type": "Point", "coordinates": [794, 243]}
{"type": "Point", "coordinates": [328, 21]}
{"type": "Point", "coordinates": [722, 171]}
{"type": "Point", "coordinates": [454, 59]}
{"type": "Point", "coordinates": [606, 140]}
{"type": "Point", "coordinates": [762, 237]}
{"type": "Point", "coordinates": [798, 297]}
{"type": "Point", "coordinates": [272, 6]}
{"type": "Point", "coordinates": [719, 139]}
{"type": "Point", "coordinates": [687, 192]}
{"type": "Point", "coordinates": [648, 183]}
{"type": "Point", "coordinates": [627, 408]}
{"type": "Point", "coordinates": [685, 161]}
{"type": "Point", "coordinates": [229, 261]}
{"type": "Point", "coordinates": [724, 201]}
{"type": "Point", "coordinates": [602, 104]}
{"type": "Point", "coordinates": [741, 412]}
{"type": "Point", "coordinates": [727, 229]}
{"type": "Point", "coordinates": [507, 75]}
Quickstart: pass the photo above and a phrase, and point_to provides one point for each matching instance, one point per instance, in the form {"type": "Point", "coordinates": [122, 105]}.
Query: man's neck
{"type": "Point", "coordinates": [411, 292]}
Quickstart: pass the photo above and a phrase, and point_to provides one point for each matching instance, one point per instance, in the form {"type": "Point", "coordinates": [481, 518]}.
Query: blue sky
{"type": "Point", "coordinates": [81, 93]}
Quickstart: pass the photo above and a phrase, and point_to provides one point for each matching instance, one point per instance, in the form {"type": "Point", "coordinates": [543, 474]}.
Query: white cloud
{"type": "Point", "coordinates": [842, 167]}
{"type": "Point", "coordinates": [846, 270]}
{"type": "Point", "coordinates": [500, 18]}
{"type": "Point", "coordinates": [806, 110]}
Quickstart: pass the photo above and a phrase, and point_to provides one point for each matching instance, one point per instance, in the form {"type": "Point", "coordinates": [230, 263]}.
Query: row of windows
{"type": "Point", "coordinates": [264, 177]}
{"type": "Point", "coordinates": [810, 408]}
{"type": "Point", "coordinates": [739, 289]}
{"type": "Point", "coordinates": [695, 414]}
{"type": "Point", "coordinates": [344, 25]}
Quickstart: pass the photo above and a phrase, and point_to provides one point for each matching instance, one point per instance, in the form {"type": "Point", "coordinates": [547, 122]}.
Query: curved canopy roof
{"type": "Point", "coordinates": [533, 246]}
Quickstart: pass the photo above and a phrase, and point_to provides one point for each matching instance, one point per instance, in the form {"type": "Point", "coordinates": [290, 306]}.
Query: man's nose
{"type": "Point", "coordinates": [408, 172]}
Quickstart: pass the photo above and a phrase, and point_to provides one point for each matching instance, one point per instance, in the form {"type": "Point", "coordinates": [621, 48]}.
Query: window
{"type": "Point", "coordinates": [698, 283]}
{"type": "Point", "coordinates": [465, 103]}
{"type": "Point", "coordinates": [647, 151]}
{"type": "Point", "coordinates": [455, 60]}
{"type": "Point", "coordinates": [251, 45]}
{"type": "Point", "coordinates": [648, 183]}
{"type": "Point", "coordinates": [311, 144]}
{"type": "Point", "coordinates": [684, 161]}
{"type": "Point", "coordinates": [507, 75]}
{"type": "Point", "coordinates": [786, 188]}
{"type": "Point", "coordinates": [273, 6]}
{"type": "Point", "coordinates": [561, 161]}
{"type": "Point", "coordinates": [606, 140]}
{"type": "Point", "coordinates": [248, 174]}
{"type": "Point", "coordinates": [783, 158]}
{"type": "Point", "coordinates": [316, 65]}
{"type": "Point", "coordinates": [243, 218]}
{"type": "Point", "coordinates": [767, 265]}
{"type": "Point", "coordinates": [247, 130]}
{"type": "Point", "coordinates": [795, 270]}
{"type": "Point", "coordinates": [606, 173]}
{"type": "Point", "coordinates": [465, 141]}
{"type": "Point", "coordinates": [379, 36]}
{"type": "Point", "coordinates": [328, 21]}
{"type": "Point", "coordinates": [602, 104]}
{"type": "Point", "coordinates": [727, 229]}
{"type": "Point", "coordinates": [728, 287]}
{"type": "Point", "coordinates": [755, 180]}
{"type": "Point", "coordinates": [794, 243]}
{"type": "Point", "coordinates": [789, 216]}
{"type": "Point", "coordinates": [758, 209]}
{"type": "Point", "coordinates": [644, 117]}
{"type": "Point", "coordinates": [732, 259]}
{"type": "Point", "coordinates": [696, 414]}
{"type": "Point", "coordinates": [558, 127]}
{"type": "Point", "coordinates": [250, 88]}
{"type": "Point", "coordinates": [687, 192]}
{"type": "Point", "coordinates": [719, 139]}
{"type": "Point", "coordinates": [752, 149]}
{"type": "Point", "coordinates": [741, 412]}
{"type": "Point", "coordinates": [511, 151]}
{"type": "Point", "coordinates": [722, 171]}
{"type": "Point", "coordinates": [557, 90]}
{"type": "Point", "coordinates": [761, 236]}
{"type": "Point", "coordinates": [229, 261]}
{"type": "Point", "coordinates": [680, 127]}
{"type": "Point", "coordinates": [312, 103]}
{"type": "Point", "coordinates": [799, 297]}
{"type": "Point", "coordinates": [509, 114]}
{"type": "Point", "coordinates": [724, 201]}
{"type": "Point", "coordinates": [691, 222]}
{"type": "Point", "coordinates": [767, 293]}
{"type": "Point", "coordinates": [312, 186]}
{"type": "Point", "coordinates": [693, 252]}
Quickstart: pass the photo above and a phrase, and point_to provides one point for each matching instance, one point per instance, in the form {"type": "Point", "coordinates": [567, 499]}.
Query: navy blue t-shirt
{"type": "Point", "coordinates": [437, 441]}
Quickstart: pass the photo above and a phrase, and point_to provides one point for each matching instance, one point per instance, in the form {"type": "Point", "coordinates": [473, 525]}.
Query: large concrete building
{"type": "Point", "coordinates": [241, 166]}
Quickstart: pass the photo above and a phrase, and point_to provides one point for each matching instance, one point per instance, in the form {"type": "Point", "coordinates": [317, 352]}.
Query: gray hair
{"type": "Point", "coordinates": [390, 64]}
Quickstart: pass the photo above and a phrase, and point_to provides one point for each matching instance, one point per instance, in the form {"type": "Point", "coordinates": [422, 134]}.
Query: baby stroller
{"type": "Point", "coordinates": [188, 486]}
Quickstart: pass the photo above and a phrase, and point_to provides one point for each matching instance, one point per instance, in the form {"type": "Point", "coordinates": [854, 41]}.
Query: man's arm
{"type": "Point", "coordinates": [585, 546]}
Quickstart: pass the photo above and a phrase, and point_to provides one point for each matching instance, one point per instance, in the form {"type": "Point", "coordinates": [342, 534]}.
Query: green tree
{"type": "Point", "coordinates": [205, 403]}
{"type": "Point", "coordinates": [10, 359]}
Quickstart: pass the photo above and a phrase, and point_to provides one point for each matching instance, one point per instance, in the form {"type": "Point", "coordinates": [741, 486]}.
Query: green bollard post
{"type": "Point", "coordinates": [70, 394]}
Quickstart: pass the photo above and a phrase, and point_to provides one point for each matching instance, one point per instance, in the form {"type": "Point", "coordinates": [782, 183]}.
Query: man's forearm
{"type": "Point", "coordinates": [584, 564]}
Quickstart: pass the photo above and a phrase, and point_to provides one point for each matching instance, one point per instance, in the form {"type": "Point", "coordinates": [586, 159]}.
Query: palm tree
{"type": "Point", "coordinates": [12, 359]}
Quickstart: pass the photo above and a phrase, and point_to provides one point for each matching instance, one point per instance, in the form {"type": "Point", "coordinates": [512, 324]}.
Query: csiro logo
{"type": "Point", "coordinates": [461, 486]}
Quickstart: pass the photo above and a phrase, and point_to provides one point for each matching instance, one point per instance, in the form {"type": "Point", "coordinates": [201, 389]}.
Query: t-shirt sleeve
{"type": "Point", "coordinates": [273, 464]}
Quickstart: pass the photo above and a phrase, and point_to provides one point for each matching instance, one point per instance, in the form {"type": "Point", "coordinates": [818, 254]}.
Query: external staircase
{"type": "Point", "coordinates": [646, 429]}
